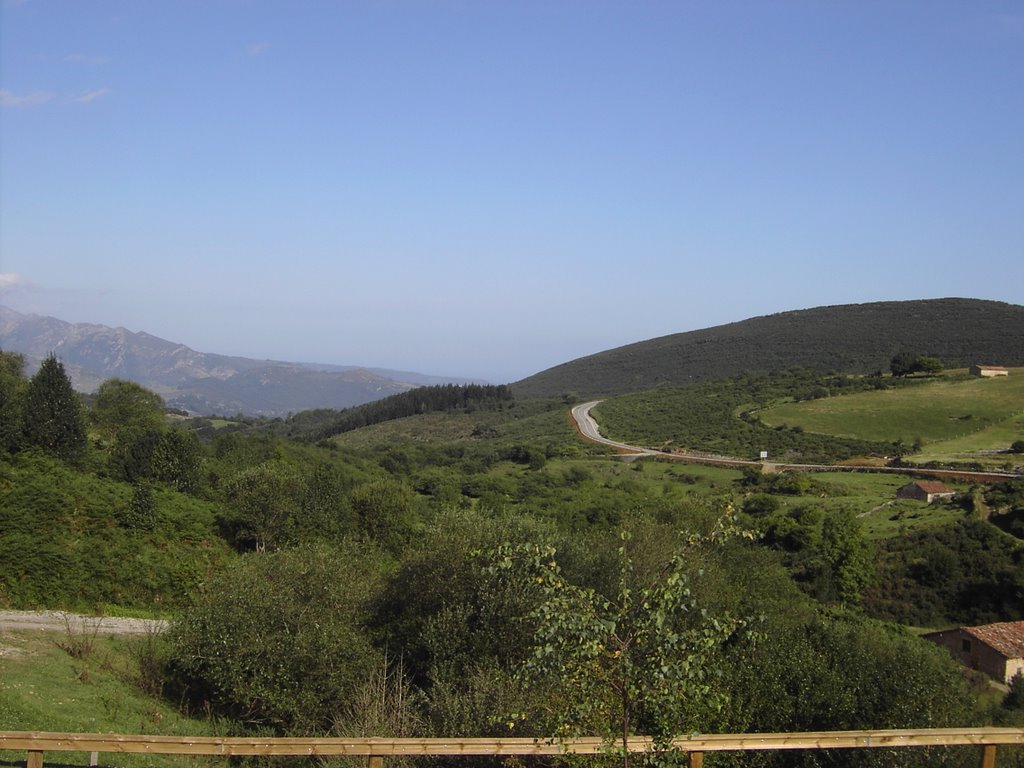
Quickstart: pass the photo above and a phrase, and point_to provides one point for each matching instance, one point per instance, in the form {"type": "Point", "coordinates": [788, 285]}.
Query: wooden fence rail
{"type": "Point", "coordinates": [36, 744]}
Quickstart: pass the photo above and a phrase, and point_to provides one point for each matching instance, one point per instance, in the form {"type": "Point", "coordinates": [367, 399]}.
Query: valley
{"type": "Point", "coordinates": [423, 550]}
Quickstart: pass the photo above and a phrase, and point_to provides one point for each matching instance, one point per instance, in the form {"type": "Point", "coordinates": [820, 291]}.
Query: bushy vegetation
{"type": "Point", "coordinates": [279, 640]}
{"type": "Point", "coordinates": [966, 573]}
{"type": "Point", "coordinates": [481, 614]}
{"type": "Point", "coordinates": [708, 417]}
{"type": "Point", "coordinates": [502, 583]}
{"type": "Point", "coordinates": [76, 540]}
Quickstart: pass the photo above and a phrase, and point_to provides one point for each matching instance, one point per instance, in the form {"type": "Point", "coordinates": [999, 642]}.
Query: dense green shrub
{"type": "Point", "coordinates": [966, 573]}
{"type": "Point", "coordinates": [279, 641]}
{"type": "Point", "coordinates": [67, 544]}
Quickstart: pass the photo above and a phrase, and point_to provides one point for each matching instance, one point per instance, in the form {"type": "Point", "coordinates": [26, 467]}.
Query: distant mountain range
{"type": "Point", "coordinates": [850, 338]}
{"type": "Point", "coordinates": [198, 382]}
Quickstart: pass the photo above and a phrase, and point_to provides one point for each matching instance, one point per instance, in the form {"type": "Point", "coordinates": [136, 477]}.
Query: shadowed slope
{"type": "Point", "coordinates": [853, 338]}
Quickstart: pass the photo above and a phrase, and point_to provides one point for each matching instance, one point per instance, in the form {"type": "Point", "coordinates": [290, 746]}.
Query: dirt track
{"type": "Point", "coordinates": [59, 621]}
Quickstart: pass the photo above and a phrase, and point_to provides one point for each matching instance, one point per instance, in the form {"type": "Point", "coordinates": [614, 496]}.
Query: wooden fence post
{"type": "Point", "coordinates": [35, 759]}
{"type": "Point", "coordinates": [696, 760]}
{"type": "Point", "coordinates": [988, 756]}
{"type": "Point", "coordinates": [374, 761]}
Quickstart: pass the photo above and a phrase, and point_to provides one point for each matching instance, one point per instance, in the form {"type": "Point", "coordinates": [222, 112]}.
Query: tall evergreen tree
{"type": "Point", "coordinates": [53, 418]}
{"type": "Point", "coordinates": [12, 388]}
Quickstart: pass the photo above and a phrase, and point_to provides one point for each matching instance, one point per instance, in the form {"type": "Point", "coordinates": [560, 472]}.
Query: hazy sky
{"type": "Point", "coordinates": [487, 189]}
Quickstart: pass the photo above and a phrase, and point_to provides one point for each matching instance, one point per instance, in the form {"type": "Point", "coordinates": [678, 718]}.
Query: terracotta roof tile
{"type": "Point", "coordinates": [933, 486]}
{"type": "Point", "coordinates": [1007, 637]}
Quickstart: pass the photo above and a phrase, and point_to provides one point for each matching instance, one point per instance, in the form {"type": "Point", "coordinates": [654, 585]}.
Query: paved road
{"type": "Point", "coordinates": [589, 430]}
{"type": "Point", "coordinates": [58, 621]}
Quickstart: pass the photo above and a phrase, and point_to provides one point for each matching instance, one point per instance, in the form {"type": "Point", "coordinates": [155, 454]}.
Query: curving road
{"type": "Point", "coordinates": [588, 429]}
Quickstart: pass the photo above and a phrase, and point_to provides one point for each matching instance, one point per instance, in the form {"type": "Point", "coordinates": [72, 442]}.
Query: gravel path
{"type": "Point", "coordinates": [59, 621]}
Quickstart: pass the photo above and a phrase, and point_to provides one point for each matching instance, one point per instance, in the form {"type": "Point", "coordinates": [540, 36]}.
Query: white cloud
{"type": "Point", "coordinates": [255, 49]}
{"type": "Point", "coordinates": [85, 98]}
{"type": "Point", "coordinates": [12, 281]}
{"type": "Point", "coordinates": [9, 99]}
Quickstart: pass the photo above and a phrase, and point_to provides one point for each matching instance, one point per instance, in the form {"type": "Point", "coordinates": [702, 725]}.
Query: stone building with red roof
{"type": "Point", "coordinates": [995, 649]}
{"type": "Point", "coordinates": [989, 371]}
{"type": "Point", "coordinates": [925, 490]}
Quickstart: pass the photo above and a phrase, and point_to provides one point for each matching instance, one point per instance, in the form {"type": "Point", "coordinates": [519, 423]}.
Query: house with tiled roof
{"type": "Point", "coordinates": [995, 649]}
{"type": "Point", "coordinates": [925, 490]}
{"type": "Point", "coordinates": [989, 371]}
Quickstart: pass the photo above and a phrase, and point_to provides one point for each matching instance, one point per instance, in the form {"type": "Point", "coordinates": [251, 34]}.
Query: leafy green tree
{"type": "Point", "coordinates": [1014, 698]}
{"type": "Point", "coordinates": [124, 407]}
{"type": "Point", "coordinates": [761, 504]}
{"type": "Point", "coordinates": [53, 418]}
{"type": "Point", "coordinates": [796, 532]}
{"type": "Point", "coordinates": [264, 503]}
{"type": "Point", "coordinates": [903, 363]}
{"type": "Point", "coordinates": [906, 363]}
{"type": "Point", "coordinates": [279, 639]}
{"type": "Point", "coordinates": [642, 660]}
{"type": "Point", "coordinates": [847, 566]}
{"type": "Point", "coordinates": [458, 628]}
{"type": "Point", "coordinates": [325, 510]}
{"type": "Point", "coordinates": [814, 670]}
{"type": "Point", "coordinates": [385, 510]}
{"type": "Point", "coordinates": [131, 456]}
{"type": "Point", "coordinates": [177, 460]}
{"type": "Point", "coordinates": [12, 390]}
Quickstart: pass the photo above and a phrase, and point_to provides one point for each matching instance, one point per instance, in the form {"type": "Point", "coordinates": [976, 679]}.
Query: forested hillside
{"type": "Point", "coordinates": [854, 338]}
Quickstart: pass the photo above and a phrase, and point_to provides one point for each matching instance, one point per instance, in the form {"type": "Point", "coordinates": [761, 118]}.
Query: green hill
{"type": "Point", "coordinates": [852, 338]}
{"type": "Point", "coordinates": [952, 418]}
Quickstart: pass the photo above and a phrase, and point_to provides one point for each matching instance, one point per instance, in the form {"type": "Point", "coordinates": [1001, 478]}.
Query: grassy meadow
{"type": "Point", "coordinates": [953, 417]}
{"type": "Point", "coordinates": [93, 688]}
{"type": "Point", "coordinates": [872, 498]}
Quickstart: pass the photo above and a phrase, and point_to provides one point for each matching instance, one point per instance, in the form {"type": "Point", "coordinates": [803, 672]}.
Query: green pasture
{"type": "Point", "coordinates": [653, 476]}
{"type": "Point", "coordinates": [986, 412]}
{"type": "Point", "coordinates": [986, 446]}
{"type": "Point", "coordinates": [45, 688]}
{"type": "Point", "coordinates": [872, 497]}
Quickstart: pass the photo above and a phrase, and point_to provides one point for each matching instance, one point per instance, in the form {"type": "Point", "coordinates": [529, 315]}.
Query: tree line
{"type": "Point", "coordinates": [443, 398]}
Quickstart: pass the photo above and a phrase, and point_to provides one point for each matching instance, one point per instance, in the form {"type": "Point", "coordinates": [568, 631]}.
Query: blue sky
{"type": "Point", "coordinates": [487, 189]}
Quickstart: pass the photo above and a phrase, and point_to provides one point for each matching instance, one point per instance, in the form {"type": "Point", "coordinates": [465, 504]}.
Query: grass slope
{"type": "Point", "coordinates": [872, 498]}
{"type": "Point", "coordinates": [955, 417]}
{"type": "Point", "coordinates": [854, 338]}
{"type": "Point", "coordinates": [63, 546]}
{"type": "Point", "coordinates": [44, 688]}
